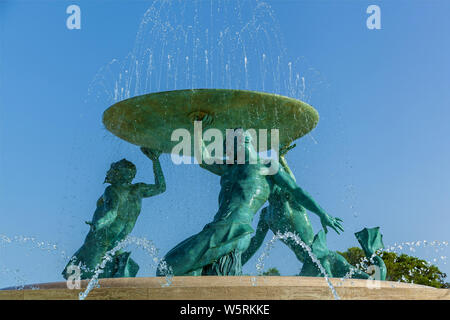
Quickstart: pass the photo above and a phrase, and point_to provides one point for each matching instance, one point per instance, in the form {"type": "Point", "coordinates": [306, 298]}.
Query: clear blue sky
{"type": "Point", "coordinates": [380, 155]}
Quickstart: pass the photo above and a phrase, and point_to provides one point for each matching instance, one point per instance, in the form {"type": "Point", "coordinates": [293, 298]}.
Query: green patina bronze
{"type": "Point", "coordinates": [371, 241]}
{"type": "Point", "coordinates": [217, 249]}
{"type": "Point", "coordinates": [116, 214]}
{"type": "Point", "coordinates": [336, 265]}
{"type": "Point", "coordinates": [287, 214]}
{"type": "Point", "coordinates": [226, 243]}
{"type": "Point", "coordinates": [149, 120]}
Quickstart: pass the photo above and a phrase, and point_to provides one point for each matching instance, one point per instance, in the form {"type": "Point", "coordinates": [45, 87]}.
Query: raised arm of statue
{"type": "Point", "coordinates": [106, 211]}
{"type": "Point", "coordinates": [150, 190]}
{"type": "Point", "coordinates": [285, 181]}
{"type": "Point", "coordinates": [286, 168]}
{"type": "Point", "coordinates": [257, 239]}
{"type": "Point", "coordinates": [213, 165]}
{"type": "Point", "coordinates": [283, 161]}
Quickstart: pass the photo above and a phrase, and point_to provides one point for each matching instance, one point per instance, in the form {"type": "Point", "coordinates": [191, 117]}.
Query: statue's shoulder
{"type": "Point", "coordinates": [138, 188]}
{"type": "Point", "coordinates": [111, 191]}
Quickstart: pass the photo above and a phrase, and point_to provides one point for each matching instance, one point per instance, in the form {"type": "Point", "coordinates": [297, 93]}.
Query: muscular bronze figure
{"type": "Point", "coordinates": [245, 188]}
{"type": "Point", "coordinates": [116, 214]}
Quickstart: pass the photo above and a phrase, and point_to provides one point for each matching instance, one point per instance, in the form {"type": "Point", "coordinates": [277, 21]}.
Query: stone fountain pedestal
{"type": "Point", "coordinates": [231, 288]}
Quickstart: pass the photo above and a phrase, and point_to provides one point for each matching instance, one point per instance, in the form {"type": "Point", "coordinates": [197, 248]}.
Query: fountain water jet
{"type": "Point", "coordinates": [143, 243]}
{"type": "Point", "coordinates": [299, 242]}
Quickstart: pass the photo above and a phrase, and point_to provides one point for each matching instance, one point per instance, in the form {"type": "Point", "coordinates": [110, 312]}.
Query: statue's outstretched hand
{"type": "Point", "coordinates": [334, 223]}
{"type": "Point", "coordinates": [151, 153]}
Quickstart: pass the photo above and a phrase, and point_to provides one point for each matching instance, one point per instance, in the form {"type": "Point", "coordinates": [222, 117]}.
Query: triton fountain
{"type": "Point", "coordinates": [208, 265]}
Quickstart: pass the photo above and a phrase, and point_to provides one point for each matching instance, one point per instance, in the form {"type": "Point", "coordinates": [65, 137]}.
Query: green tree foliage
{"type": "Point", "coordinates": [403, 268]}
{"type": "Point", "coordinates": [271, 272]}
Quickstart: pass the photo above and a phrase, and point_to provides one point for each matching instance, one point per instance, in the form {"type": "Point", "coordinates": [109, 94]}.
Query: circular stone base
{"type": "Point", "coordinates": [230, 288]}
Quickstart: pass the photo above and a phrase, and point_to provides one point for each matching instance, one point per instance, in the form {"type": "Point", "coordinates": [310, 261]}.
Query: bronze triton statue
{"type": "Point", "coordinates": [284, 214]}
{"type": "Point", "coordinates": [150, 120]}
{"type": "Point", "coordinates": [116, 214]}
{"type": "Point", "coordinates": [217, 249]}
